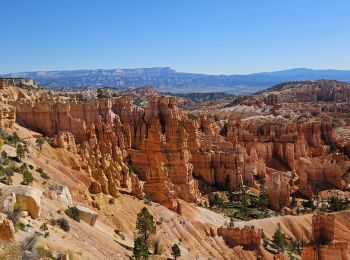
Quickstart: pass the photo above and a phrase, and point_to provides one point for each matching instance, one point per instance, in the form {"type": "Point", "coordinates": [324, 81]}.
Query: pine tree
{"type": "Point", "coordinates": [263, 196]}
{"type": "Point", "coordinates": [279, 239]}
{"type": "Point", "coordinates": [14, 138]}
{"type": "Point", "coordinates": [20, 152]}
{"type": "Point", "coordinates": [232, 222]}
{"type": "Point", "coordinates": [40, 142]}
{"type": "Point", "coordinates": [176, 251]}
{"type": "Point", "coordinates": [140, 250]}
{"type": "Point", "coordinates": [27, 177]}
{"type": "Point", "coordinates": [5, 157]}
{"type": "Point", "coordinates": [145, 226]}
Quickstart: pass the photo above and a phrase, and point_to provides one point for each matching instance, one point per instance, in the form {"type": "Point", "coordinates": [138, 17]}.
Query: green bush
{"type": "Point", "coordinates": [44, 253]}
{"type": "Point", "coordinates": [215, 200]}
{"type": "Point", "coordinates": [27, 178]}
{"type": "Point", "coordinates": [73, 213]}
{"type": "Point", "coordinates": [63, 224]}
{"type": "Point", "coordinates": [192, 117]}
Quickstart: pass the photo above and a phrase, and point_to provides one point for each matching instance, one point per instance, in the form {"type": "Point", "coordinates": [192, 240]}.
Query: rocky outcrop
{"type": "Point", "coordinates": [25, 83]}
{"type": "Point", "coordinates": [325, 244]}
{"type": "Point", "coordinates": [278, 190]}
{"type": "Point", "coordinates": [248, 237]}
{"type": "Point", "coordinates": [7, 117]}
{"type": "Point", "coordinates": [303, 91]}
{"type": "Point", "coordinates": [109, 134]}
{"type": "Point", "coordinates": [62, 194]}
{"type": "Point", "coordinates": [87, 215]}
{"type": "Point", "coordinates": [323, 170]}
{"type": "Point", "coordinates": [29, 199]}
{"type": "Point", "coordinates": [66, 141]}
{"type": "Point", "coordinates": [7, 230]}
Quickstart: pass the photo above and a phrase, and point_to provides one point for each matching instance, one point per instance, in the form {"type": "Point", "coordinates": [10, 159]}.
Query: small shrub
{"type": "Point", "coordinates": [45, 228]}
{"type": "Point", "coordinates": [27, 178]}
{"type": "Point", "coordinates": [19, 226]}
{"type": "Point", "coordinates": [44, 176]}
{"type": "Point", "coordinates": [147, 199]}
{"type": "Point", "coordinates": [23, 168]}
{"type": "Point", "coordinates": [5, 156]}
{"type": "Point", "coordinates": [44, 253]}
{"type": "Point", "coordinates": [63, 224]}
{"type": "Point", "coordinates": [53, 222]}
{"type": "Point", "coordinates": [39, 170]}
{"type": "Point", "coordinates": [192, 117]}
{"type": "Point", "coordinates": [215, 200]}
{"type": "Point", "coordinates": [73, 213]}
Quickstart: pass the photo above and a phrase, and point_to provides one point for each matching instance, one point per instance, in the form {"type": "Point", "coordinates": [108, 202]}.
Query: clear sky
{"type": "Point", "coordinates": [206, 36]}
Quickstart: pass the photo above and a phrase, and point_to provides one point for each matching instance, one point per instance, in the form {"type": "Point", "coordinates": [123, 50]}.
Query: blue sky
{"type": "Point", "coordinates": [206, 36]}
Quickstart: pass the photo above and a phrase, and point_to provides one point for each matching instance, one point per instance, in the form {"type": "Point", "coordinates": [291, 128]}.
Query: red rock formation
{"type": "Point", "coordinates": [249, 237]}
{"type": "Point", "coordinates": [278, 190]}
{"type": "Point", "coordinates": [325, 244]}
{"type": "Point", "coordinates": [108, 133]}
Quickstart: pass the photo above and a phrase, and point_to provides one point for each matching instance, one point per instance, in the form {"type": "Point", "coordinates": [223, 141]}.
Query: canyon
{"type": "Point", "coordinates": [293, 138]}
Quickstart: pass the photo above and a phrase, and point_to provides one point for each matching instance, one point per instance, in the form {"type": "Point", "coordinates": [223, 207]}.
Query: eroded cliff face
{"type": "Point", "coordinates": [300, 147]}
{"type": "Point", "coordinates": [160, 151]}
{"type": "Point", "coordinates": [325, 245]}
{"type": "Point", "coordinates": [249, 237]}
{"type": "Point", "coordinates": [115, 139]}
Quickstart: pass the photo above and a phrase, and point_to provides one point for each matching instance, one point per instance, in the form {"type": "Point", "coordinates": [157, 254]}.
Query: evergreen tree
{"type": "Point", "coordinates": [279, 239]}
{"type": "Point", "coordinates": [244, 196]}
{"type": "Point", "coordinates": [14, 138]}
{"type": "Point", "coordinates": [40, 142]}
{"type": "Point", "coordinates": [20, 152]}
{"type": "Point", "coordinates": [264, 238]}
{"type": "Point", "coordinates": [232, 222]}
{"type": "Point", "coordinates": [145, 226]}
{"type": "Point", "coordinates": [27, 177]}
{"type": "Point", "coordinates": [140, 249]}
{"type": "Point", "coordinates": [262, 196]}
{"type": "Point", "coordinates": [4, 156]}
{"type": "Point", "coordinates": [176, 251]}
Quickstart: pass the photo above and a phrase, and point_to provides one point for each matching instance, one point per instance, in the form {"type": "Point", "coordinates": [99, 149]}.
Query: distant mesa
{"type": "Point", "coordinates": [166, 79]}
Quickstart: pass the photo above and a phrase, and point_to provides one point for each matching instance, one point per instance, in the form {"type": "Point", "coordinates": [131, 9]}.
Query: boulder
{"type": "Point", "coordinates": [63, 194]}
{"type": "Point", "coordinates": [87, 215]}
{"type": "Point", "coordinates": [28, 197]}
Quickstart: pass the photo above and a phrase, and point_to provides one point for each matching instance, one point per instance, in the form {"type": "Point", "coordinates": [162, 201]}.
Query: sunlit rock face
{"type": "Point", "coordinates": [325, 245]}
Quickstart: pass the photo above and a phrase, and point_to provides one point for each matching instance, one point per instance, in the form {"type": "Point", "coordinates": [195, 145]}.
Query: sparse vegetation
{"type": "Point", "coordinates": [279, 239]}
{"type": "Point", "coordinates": [27, 177]}
{"type": "Point", "coordinates": [42, 174]}
{"type": "Point", "coordinates": [63, 224]}
{"type": "Point", "coordinates": [147, 199]}
{"type": "Point", "coordinates": [145, 226]}
{"type": "Point", "coordinates": [40, 142]}
{"type": "Point", "coordinates": [215, 200]}
{"type": "Point", "coordinates": [192, 117]}
{"type": "Point", "coordinates": [44, 253]}
{"type": "Point", "coordinates": [45, 228]}
{"type": "Point", "coordinates": [20, 152]}
{"type": "Point", "coordinates": [73, 213]}
{"type": "Point", "coordinates": [175, 250]}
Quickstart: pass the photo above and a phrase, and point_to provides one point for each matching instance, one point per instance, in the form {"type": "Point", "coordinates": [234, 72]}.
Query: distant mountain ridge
{"type": "Point", "coordinates": [166, 79]}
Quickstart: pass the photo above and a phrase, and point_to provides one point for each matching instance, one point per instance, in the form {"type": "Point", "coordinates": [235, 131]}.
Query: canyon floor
{"type": "Point", "coordinates": [220, 175]}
